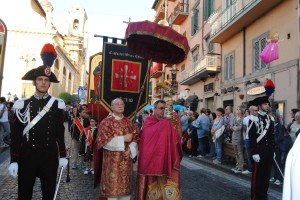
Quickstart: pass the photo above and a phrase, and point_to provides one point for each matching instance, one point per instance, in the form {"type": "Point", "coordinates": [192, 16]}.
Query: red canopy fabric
{"type": "Point", "coordinates": [159, 43]}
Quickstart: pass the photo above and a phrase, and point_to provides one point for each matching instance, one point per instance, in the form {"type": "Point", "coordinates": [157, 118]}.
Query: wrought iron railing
{"type": "Point", "coordinates": [209, 62]}
{"type": "Point", "coordinates": [228, 14]}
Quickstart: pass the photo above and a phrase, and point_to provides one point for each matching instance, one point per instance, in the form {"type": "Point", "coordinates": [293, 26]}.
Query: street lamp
{"type": "Point", "coordinates": [174, 84]}
{"type": "Point", "coordinates": [8, 96]}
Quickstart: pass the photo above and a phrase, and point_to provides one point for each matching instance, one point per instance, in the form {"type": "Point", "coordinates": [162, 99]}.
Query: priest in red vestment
{"type": "Point", "coordinates": [116, 146]}
{"type": "Point", "coordinates": [160, 154]}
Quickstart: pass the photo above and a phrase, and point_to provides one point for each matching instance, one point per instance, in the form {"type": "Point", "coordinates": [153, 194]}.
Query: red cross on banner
{"type": "Point", "coordinates": [126, 76]}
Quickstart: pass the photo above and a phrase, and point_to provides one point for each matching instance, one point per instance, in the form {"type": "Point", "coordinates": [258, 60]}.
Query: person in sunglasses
{"type": "Point", "coordinates": [158, 166]}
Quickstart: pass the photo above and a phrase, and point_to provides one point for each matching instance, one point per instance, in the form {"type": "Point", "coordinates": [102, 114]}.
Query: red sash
{"type": "Point", "coordinates": [79, 125]}
{"type": "Point", "coordinates": [89, 135]}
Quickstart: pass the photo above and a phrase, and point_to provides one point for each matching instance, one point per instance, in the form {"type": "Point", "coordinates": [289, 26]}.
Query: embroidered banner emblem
{"type": "Point", "coordinates": [126, 76]}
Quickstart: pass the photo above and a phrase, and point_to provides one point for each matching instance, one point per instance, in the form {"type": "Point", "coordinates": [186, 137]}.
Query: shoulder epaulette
{"type": "Point", "coordinates": [19, 104]}
{"type": "Point", "coordinates": [253, 118]}
{"type": "Point", "coordinates": [61, 103]}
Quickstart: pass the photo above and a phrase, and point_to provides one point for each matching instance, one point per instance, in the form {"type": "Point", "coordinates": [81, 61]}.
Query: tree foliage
{"type": "Point", "coordinates": [67, 97]}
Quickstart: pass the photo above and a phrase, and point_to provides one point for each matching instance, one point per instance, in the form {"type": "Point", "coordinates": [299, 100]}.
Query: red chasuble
{"type": "Point", "coordinates": [112, 170]}
{"type": "Point", "coordinates": [160, 154]}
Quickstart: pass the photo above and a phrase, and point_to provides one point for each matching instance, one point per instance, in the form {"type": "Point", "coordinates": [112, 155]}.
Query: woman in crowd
{"type": "Point", "coordinates": [295, 126]}
{"type": "Point", "coordinates": [218, 123]}
{"type": "Point", "coordinates": [203, 129]}
{"type": "Point", "coordinates": [212, 149]}
{"type": "Point", "coordinates": [192, 132]}
{"type": "Point", "coordinates": [237, 140]}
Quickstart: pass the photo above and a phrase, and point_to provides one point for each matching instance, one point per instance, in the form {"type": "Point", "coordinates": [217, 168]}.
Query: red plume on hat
{"type": "Point", "coordinates": [269, 87]}
{"type": "Point", "coordinates": [48, 54]}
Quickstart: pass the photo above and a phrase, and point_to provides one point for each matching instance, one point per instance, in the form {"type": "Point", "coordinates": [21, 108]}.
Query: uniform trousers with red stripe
{"type": "Point", "coordinates": [37, 162]}
{"type": "Point", "coordinates": [261, 174]}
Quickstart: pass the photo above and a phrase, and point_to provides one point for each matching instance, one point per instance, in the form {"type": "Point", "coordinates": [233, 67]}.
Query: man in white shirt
{"type": "Point", "coordinates": [253, 112]}
{"type": "Point", "coordinates": [4, 124]}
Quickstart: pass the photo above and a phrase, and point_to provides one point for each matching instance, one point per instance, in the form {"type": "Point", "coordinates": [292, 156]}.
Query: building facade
{"type": "Point", "coordinates": [226, 38]}
{"type": "Point", "coordinates": [26, 36]}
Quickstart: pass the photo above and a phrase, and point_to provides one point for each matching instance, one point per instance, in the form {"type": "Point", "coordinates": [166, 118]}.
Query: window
{"type": "Point", "coordinates": [229, 67]}
{"type": "Point", "coordinates": [258, 45]}
{"type": "Point", "coordinates": [70, 76]}
{"type": "Point", "coordinates": [75, 24]}
{"type": "Point", "coordinates": [64, 71]}
{"type": "Point", "coordinates": [209, 8]}
{"type": "Point", "coordinates": [195, 22]}
{"type": "Point", "coordinates": [209, 87]}
{"type": "Point", "coordinates": [195, 57]}
{"type": "Point", "coordinates": [210, 48]}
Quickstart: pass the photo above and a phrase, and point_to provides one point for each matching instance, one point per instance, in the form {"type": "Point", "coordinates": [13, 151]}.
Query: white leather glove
{"type": "Point", "coordinates": [13, 169]}
{"type": "Point", "coordinates": [256, 158]}
{"type": "Point", "coordinates": [63, 162]}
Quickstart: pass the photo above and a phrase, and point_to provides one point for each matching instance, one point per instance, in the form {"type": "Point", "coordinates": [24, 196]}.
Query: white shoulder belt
{"type": "Point", "coordinates": [38, 117]}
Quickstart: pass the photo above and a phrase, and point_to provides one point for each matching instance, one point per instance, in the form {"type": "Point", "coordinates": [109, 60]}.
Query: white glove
{"type": "Point", "coordinates": [13, 169]}
{"type": "Point", "coordinates": [63, 162]}
{"type": "Point", "coordinates": [256, 158]}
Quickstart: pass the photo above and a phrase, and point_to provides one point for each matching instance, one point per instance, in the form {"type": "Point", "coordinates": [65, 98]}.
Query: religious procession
{"type": "Point", "coordinates": [201, 102]}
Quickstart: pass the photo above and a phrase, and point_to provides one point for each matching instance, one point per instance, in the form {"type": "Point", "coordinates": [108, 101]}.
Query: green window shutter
{"type": "Point", "coordinates": [192, 26]}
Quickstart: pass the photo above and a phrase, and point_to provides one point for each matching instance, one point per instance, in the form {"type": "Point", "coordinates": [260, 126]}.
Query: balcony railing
{"type": "Point", "coordinates": [242, 13]}
{"type": "Point", "coordinates": [226, 15]}
{"type": "Point", "coordinates": [181, 12]}
{"type": "Point", "coordinates": [202, 69]}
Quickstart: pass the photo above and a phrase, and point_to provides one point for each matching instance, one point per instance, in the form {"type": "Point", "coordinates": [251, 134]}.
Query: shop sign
{"type": "Point", "coordinates": [256, 90]}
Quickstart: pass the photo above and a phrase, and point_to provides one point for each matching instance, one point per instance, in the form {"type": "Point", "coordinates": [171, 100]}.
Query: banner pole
{"type": "Point", "coordinates": [142, 89]}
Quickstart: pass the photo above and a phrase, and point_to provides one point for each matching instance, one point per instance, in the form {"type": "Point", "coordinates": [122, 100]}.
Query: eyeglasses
{"type": "Point", "coordinates": [162, 108]}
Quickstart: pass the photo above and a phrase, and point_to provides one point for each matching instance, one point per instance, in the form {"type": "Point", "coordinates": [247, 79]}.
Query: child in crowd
{"type": "Point", "coordinates": [88, 142]}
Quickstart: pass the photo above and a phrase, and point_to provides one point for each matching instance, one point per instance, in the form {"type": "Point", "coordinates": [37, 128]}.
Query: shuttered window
{"type": "Point", "coordinates": [195, 22]}
{"type": "Point", "coordinates": [229, 67]}
{"type": "Point", "coordinates": [209, 8]}
{"type": "Point", "coordinates": [258, 45]}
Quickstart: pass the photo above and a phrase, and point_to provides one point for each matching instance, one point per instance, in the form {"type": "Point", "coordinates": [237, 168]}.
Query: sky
{"type": "Point", "coordinates": [105, 17]}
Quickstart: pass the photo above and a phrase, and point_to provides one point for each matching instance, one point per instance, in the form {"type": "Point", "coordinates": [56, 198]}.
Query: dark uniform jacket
{"type": "Point", "coordinates": [259, 124]}
{"type": "Point", "coordinates": [47, 133]}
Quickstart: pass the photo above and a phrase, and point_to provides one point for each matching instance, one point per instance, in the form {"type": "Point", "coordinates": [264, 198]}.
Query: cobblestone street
{"type": "Point", "coordinates": [198, 176]}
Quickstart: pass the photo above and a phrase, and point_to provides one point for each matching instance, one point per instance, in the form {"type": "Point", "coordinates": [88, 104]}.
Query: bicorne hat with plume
{"type": "Point", "coordinates": [48, 55]}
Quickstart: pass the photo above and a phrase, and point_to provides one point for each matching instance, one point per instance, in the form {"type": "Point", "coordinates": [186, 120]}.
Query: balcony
{"type": "Point", "coordinates": [156, 2]}
{"type": "Point", "coordinates": [240, 14]}
{"type": "Point", "coordinates": [181, 12]}
{"type": "Point", "coordinates": [160, 15]}
{"type": "Point", "coordinates": [209, 66]}
{"type": "Point", "coordinates": [156, 71]}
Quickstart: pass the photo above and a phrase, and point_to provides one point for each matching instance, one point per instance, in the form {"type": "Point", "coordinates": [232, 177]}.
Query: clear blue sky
{"type": "Point", "coordinates": [105, 17]}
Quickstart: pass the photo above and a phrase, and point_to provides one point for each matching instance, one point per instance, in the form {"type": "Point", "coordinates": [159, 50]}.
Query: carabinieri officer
{"type": "Point", "coordinates": [38, 145]}
{"type": "Point", "coordinates": [262, 145]}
